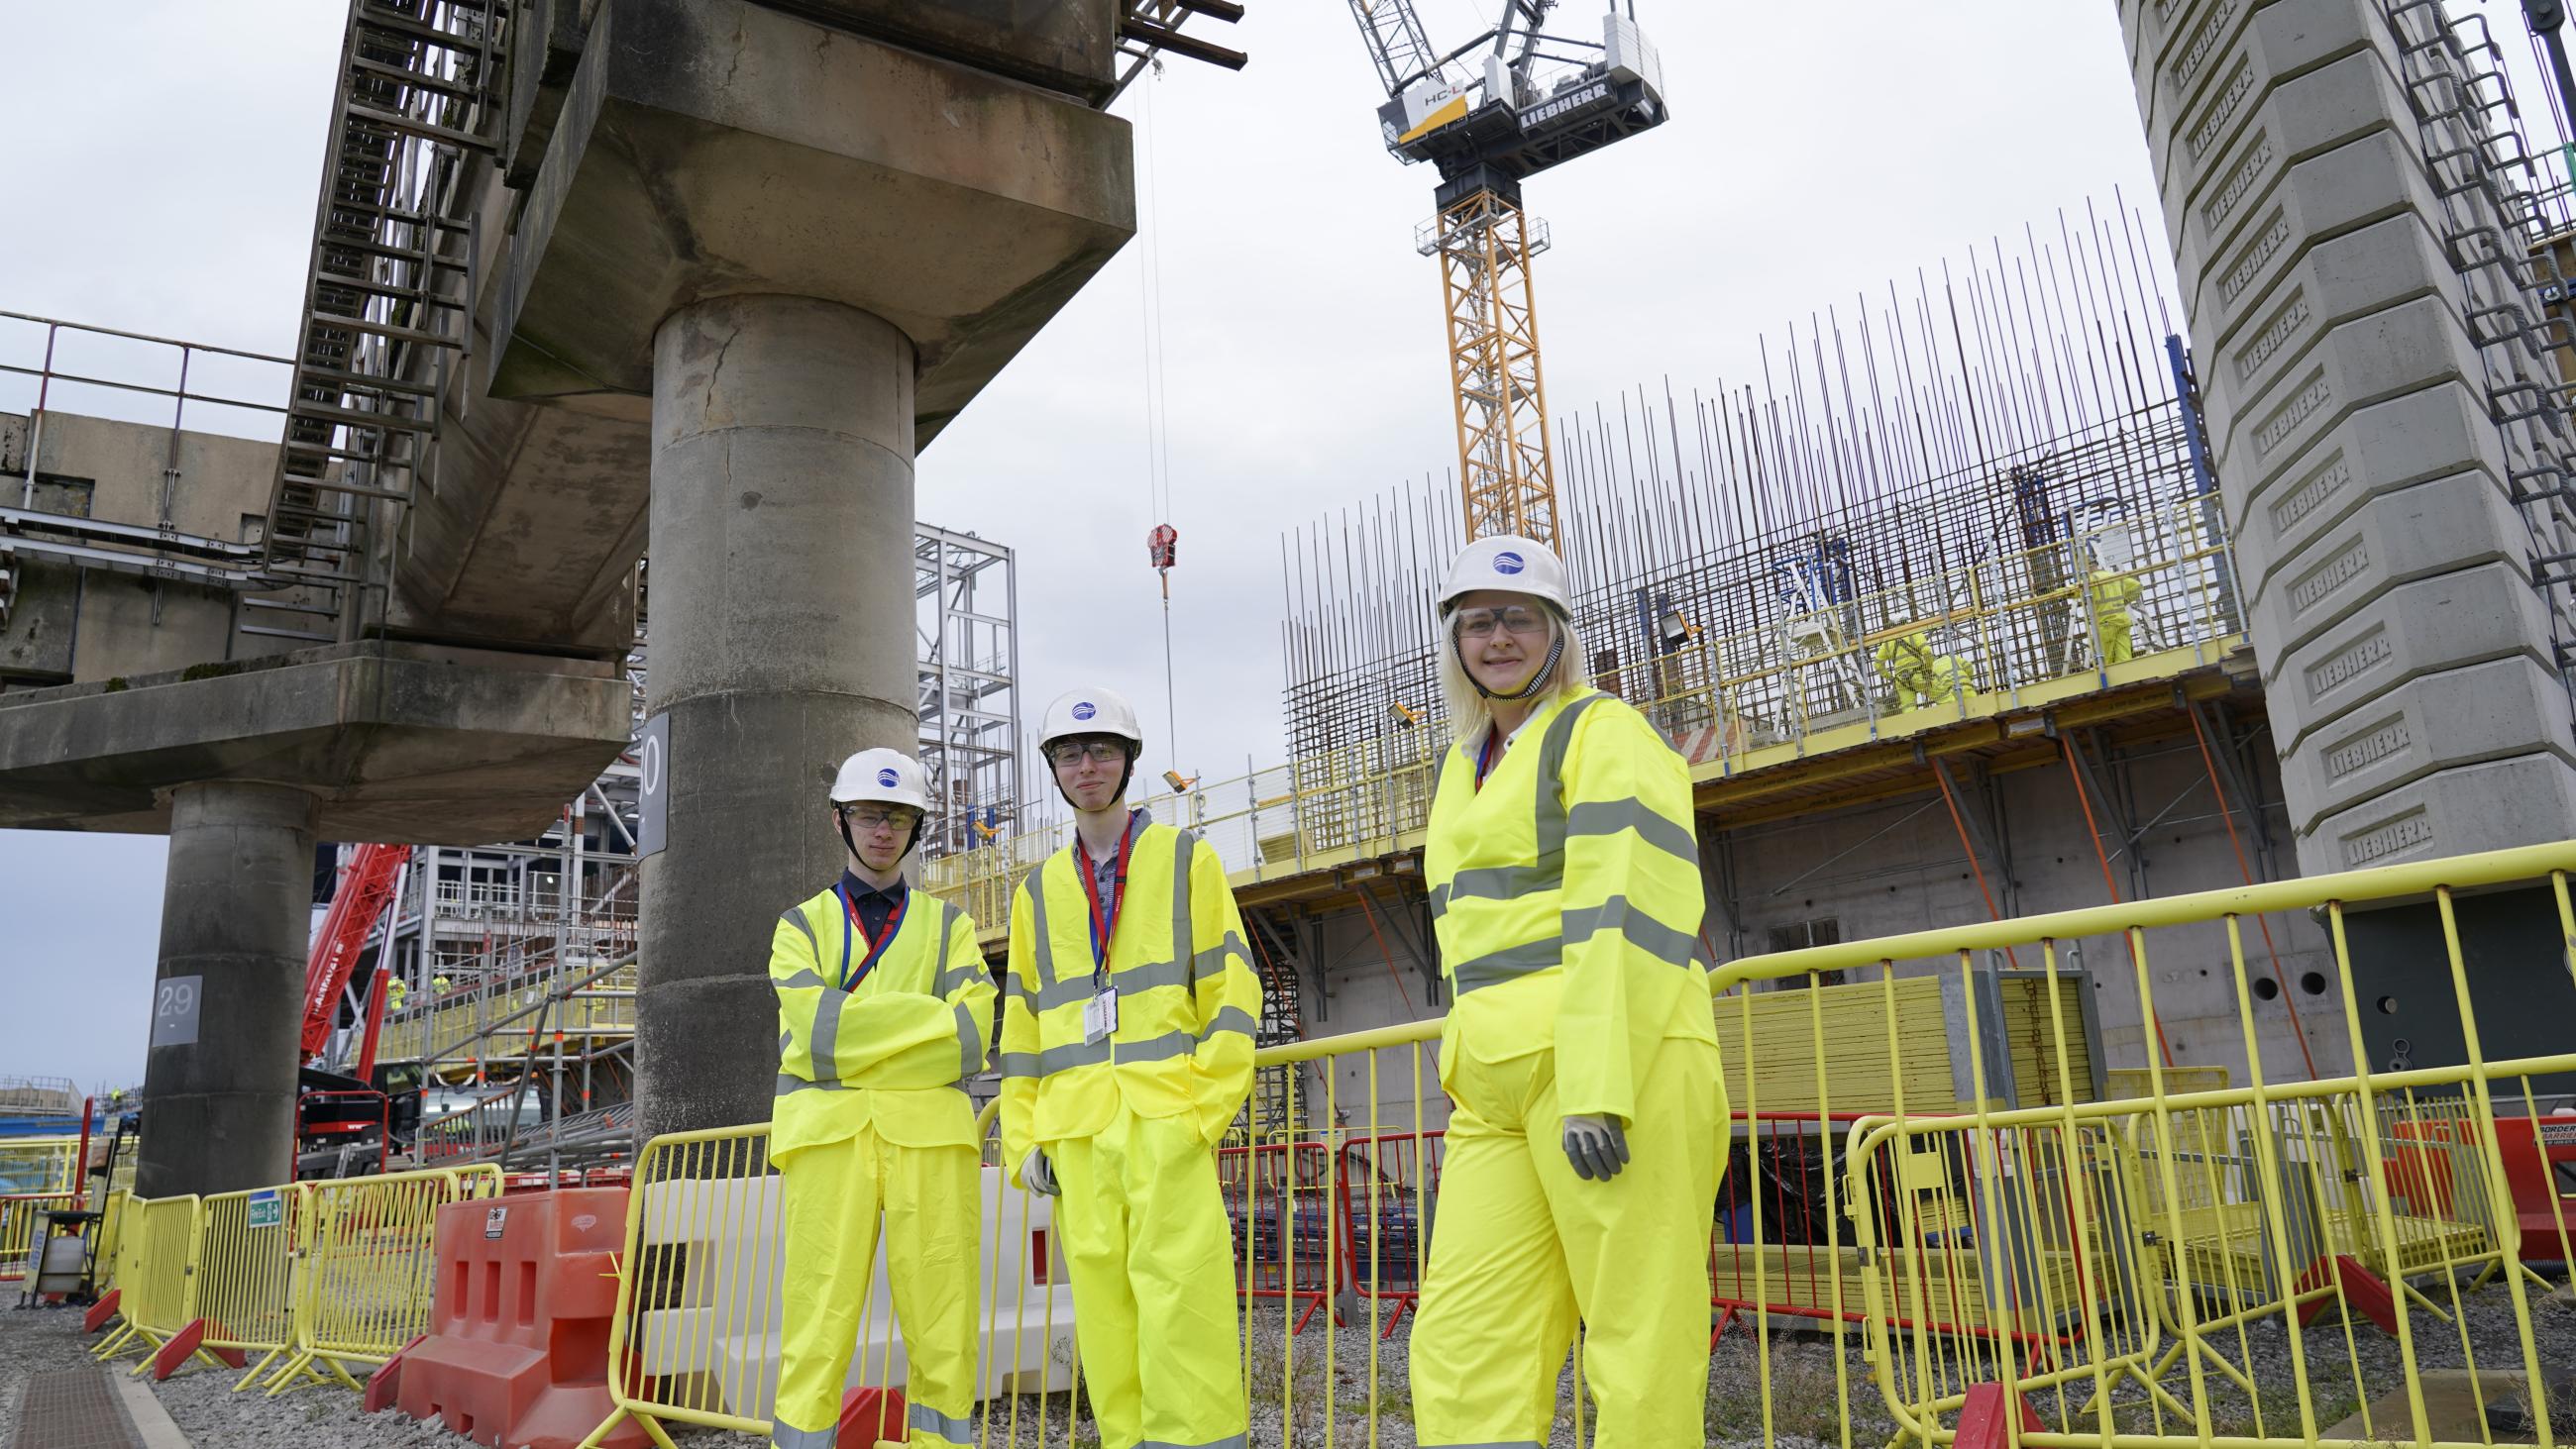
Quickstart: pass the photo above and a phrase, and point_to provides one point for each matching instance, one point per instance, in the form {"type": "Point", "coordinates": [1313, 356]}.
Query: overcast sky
{"type": "Point", "coordinates": [161, 178]}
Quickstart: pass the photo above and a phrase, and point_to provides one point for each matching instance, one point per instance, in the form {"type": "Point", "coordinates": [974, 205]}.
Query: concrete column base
{"type": "Point", "coordinates": [782, 640]}
{"type": "Point", "coordinates": [236, 912]}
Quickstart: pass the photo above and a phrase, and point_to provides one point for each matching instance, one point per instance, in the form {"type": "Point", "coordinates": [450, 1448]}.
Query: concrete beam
{"type": "Point", "coordinates": [719, 147]}
{"type": "Point", "coordinates": [392, 742]}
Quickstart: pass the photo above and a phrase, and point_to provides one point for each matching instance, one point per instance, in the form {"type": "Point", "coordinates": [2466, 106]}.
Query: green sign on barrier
{"type": "Point", "coordinates": [267, 1208]}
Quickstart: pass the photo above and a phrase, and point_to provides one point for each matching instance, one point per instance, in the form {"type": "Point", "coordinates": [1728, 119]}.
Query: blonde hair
{"type": "Point", "coordinates": [1468, 712]}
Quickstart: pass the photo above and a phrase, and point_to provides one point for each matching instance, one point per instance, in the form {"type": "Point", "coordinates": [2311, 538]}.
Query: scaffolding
{"type": "Point", "coordinates": [967, 621]}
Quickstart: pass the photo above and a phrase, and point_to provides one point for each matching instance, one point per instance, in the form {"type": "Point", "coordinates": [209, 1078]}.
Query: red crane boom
{"type": "Point", "coordinates": [366, 887]}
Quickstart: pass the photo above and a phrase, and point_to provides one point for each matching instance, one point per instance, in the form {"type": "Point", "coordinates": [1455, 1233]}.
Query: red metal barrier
{"type": "Point", "coordinates": [2540, 1167]}
{"type": "Point", "coordinates": [1292, 1248]}
{"type": "Point", "coordinates": [1387, 1184]}
{"type": "Point", "coordinates": [517, 1351]}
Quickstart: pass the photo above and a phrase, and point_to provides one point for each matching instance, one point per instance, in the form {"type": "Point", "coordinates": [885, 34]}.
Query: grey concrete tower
{"type": "Point", "coordinates": [2366, 339]}
{"type": "Point", "coordinates": [2352, 234]}
{"type": "Point", "coordinates": [808, 239]}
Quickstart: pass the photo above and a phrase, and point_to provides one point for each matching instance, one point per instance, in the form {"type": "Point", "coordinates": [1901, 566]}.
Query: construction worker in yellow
{"type": "Point", "coordinates": [1580, 1050]}
{"type": "Point", "coordinates": [1919, 673]}
{"type": "Point", "coordinates": [395, 993]}
{"type": "Point", "coordinates": [884, 1009]}
{"type": "Point", "coordinates": [1126, 1053]}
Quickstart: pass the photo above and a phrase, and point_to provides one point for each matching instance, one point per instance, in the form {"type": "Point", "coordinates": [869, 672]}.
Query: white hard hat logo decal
{"type": "Point", "coordinates": [1508, 563]}
{"type": "Point", "coordinates": [1084, 710]}
{"type": "Point", "coordinates": [886, 778]}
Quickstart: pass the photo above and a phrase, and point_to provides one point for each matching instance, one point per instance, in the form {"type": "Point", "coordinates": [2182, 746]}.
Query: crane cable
{"type": "Point", "coordinates": [1158, 437]}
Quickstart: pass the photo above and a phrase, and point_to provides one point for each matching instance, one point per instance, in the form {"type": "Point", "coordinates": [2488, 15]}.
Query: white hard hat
{"type": "Point", "coordinates": [1507, 561]}
{"type": "Point", "coordinates": [888, 775]}
{"type": "Point", "coordinates": [1090, 711]}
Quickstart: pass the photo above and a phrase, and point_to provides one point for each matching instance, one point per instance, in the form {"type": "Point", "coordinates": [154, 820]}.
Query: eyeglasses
{"type": "Point", "coordinates": [1481, 623]}
{"type": "Point", "coordinates": [868, 819]}
{"type": "Point", "coordinates": [1099, 752]}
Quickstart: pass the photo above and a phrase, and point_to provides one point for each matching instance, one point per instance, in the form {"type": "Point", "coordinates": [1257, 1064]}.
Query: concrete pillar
{"type": "Point", "coordinates": [236, 911]}
{"type": "Point", "coordinates": [782, 639]}
{"type": "Point", "coordinates": [2364, 427]}
{"type": "Point", "coordinates": [2356, 291]}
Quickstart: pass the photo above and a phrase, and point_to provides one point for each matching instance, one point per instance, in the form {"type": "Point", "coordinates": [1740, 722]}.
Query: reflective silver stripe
{"type": "Point", "coordinates": [1609, 817]}
{"type": "Point", "coordinates": [796, 917]}
{"type": "Point", "coordinates": [1232, 1018]}
{"type": "Point", "coordinates": [947, 933]}
{"type": "Point", "coordinates": [787, 1436]}
{"type": "Point", "coordinates": [1499, 882]}
{"type": "Point", "coordinates": [1185, 936]}
{"type": "Point", "coordinates": [930, 1420]}
{"type": "Point", "coordinates": [1215, 956]}
{"type": "Point", "coordinates": [788, 1085]}
{"type": "Point", "coordinates": [1142, 977]}
{"type": "Point", "coordinates": [1546, 870]}
{"type": "Point", "coordinates": [1633, 925]}
{"type": "Point", "coordinates": [1508, 964]}
{"type": "Point", "coordinates": [825, 1045]}
{"type": "Point", "coordinates": [805, 976]}
{"type": "Point", "coordinates": [970, 1043]}
{"type": "Point", "coordinates": [1018, 1064]}
{"type": "Point", "coordinates": [786, 1039]}
{"type": "Point", "coordinates": [1176, 1043]}
{"type": "Point", "coordinates": [1551, 777]}
{"type": "Point", "coordinates": [1035, 884]}
{"type": "Point", "coordinates": [949, 983]}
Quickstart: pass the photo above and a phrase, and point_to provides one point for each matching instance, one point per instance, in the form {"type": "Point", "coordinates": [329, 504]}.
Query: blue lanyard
{"type": "Point", "coordinates": [850, 923]}
{"type": "Point", "coordinates": [1485, 754]}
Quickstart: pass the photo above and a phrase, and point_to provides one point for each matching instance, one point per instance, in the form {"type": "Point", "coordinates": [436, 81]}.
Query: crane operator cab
{"type": "Point", "coordinates": [1507, 112]}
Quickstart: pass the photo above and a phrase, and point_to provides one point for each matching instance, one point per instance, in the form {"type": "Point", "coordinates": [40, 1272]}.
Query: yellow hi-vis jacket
{"type": "Point", "coordinates": [892, 1050]}
{"type": "Point", "coordinates": [1187, 999]}
{"type": "Point", "coordinates": [1566, 897]}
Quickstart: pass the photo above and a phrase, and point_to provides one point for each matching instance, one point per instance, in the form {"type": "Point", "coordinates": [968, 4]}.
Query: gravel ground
{"type": "Point", "coordinates": [1805, 1398]}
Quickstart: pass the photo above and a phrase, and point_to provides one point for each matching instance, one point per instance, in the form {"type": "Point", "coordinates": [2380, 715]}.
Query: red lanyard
{"type": "Point", "coordinates": [1104, 920]}
{"type": "Point", "coordinates": [876, 948]}
{"type": "Point", "coordinates": [1485, 754]}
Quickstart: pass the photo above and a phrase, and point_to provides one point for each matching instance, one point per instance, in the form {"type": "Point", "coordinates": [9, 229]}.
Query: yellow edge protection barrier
{"type": "Point", "coordinates": [367, 1266]}
{"type": "Point", "coordinates": [696, 1335]}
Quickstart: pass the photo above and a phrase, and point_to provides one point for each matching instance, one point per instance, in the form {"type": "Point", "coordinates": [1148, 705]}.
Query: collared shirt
{"type": "Point", "coordinates": [874, 905]}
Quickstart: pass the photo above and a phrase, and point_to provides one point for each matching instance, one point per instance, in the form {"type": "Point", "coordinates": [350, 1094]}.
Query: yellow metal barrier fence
{"type": "Point", "coordinates": [696, 1336]}
{"type": "Point", "coordinates": [245, 1276]}
{"type": "Point", "coordinates": [368, 1267]}
{"type": "Point", "coordinates": [156, 1292]}
{"type": "Point", "coordinates": [2272, 1264]}
{"type": "Point", "coordinates": [20, 1212]}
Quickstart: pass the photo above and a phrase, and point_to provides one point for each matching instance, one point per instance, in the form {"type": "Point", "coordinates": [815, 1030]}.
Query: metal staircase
{"type": "Point", "coordinates": [386, 323]}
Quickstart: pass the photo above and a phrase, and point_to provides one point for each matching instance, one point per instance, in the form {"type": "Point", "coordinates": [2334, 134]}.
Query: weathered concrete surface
{"type": "Point", "coordinates": [782, 641]}
{"type": "Point", "coordinates": [725, 148]}
{"type": "Point", "coordinates": [393, 742]}
{"type": "Point", "coordinates": [2411, 665]}
{"type": "Point", "coordinates": [71, 624]}
{"type": "Point", "coordinates": [716, 146]}
{"type": "Point", "coordinates": [219, 1112]}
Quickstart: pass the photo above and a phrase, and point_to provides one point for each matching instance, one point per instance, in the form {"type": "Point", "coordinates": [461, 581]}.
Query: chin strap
{"type": "Point", "coordinates": [1555, 652]}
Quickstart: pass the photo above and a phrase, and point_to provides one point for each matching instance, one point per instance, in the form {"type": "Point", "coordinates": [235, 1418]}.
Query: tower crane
{"type": "Point", "coordinates": [1506, 105]}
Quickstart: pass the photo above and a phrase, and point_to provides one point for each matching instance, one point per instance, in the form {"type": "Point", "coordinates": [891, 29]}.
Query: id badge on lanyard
{"type": "Point", "coordinates": [1100, 1013]}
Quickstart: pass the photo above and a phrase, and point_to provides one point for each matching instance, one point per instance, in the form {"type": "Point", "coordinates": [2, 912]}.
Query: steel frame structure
{"type": "Point", "coordinates": [969, 696]}
{"type": "Point", "coordinates": [1507, 476]}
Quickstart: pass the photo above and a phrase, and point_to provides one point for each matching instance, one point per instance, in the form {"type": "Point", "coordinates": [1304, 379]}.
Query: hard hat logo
{"type": "Point", "coordinates": [887, 778]}
{"type": "Point", "coordinates": [1508, 563]}
{"type": "Point", "coordinates": [1084, 711]}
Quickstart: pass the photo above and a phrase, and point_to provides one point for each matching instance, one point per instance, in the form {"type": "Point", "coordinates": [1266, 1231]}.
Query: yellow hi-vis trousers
{"type": "Point", "coordinates": [1522, 1243]}
{"type": "Point", "coordinates": [933, 1204]}
{"type": "Point", "coordinates": [1144, 1230]}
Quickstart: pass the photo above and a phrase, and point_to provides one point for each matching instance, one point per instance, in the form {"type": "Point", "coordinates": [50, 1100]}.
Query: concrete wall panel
{"type": "Point", "coordinates": [2451, 620]}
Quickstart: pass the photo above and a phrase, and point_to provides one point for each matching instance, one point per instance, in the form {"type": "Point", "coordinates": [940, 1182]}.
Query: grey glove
{"type": "Point", "coordinates": [1596, 1147]}
{"type": "Point", "coordinates": [1039, 1173]}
